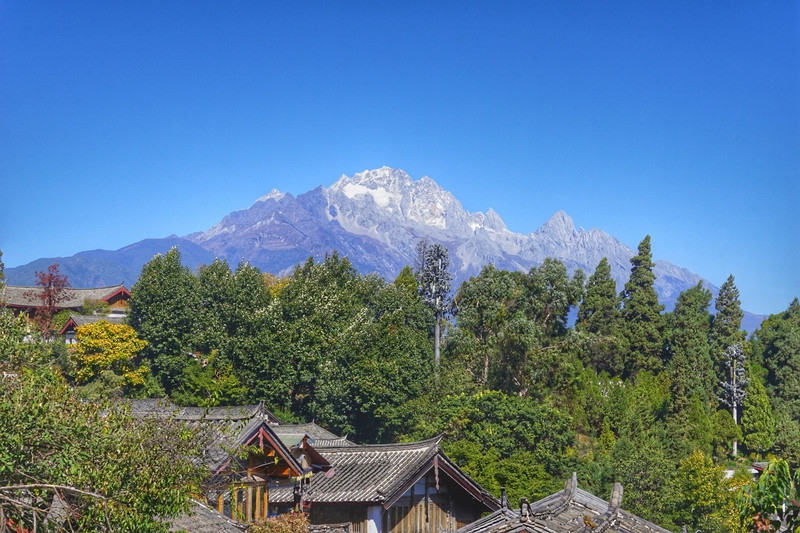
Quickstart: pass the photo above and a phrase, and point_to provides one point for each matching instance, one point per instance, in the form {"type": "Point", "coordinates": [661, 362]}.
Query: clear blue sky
{"type": "Point", "coordinates": [122, 121]}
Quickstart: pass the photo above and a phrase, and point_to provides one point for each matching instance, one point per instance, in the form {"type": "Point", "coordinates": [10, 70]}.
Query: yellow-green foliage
{"type": "Point", "coordinates": [707, 498]}
{"type": "Point", "coordinates": [103, 346]}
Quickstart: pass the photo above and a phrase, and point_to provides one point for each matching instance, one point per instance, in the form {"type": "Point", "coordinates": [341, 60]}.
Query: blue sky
{"type": "Point", "coordinates": [122, 121]}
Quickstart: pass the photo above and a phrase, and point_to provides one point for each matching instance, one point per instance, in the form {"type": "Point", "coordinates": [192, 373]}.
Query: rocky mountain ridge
{"type": "Point", "coordinates": [376, 218]}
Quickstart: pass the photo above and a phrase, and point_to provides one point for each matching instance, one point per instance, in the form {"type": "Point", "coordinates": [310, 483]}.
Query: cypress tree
{"type": "Point", "coordinates": [758, 424]}
{"type": "Point", "coordinates": [725, 326]}
{"type": "Point", "coordinates": [643, 323]}
{"type": "Point", "coordinates": [599, 317]}
{"type": "Point", "coordinates": [690, 365]}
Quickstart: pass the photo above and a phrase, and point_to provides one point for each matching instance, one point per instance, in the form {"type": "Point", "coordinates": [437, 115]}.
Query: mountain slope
{"type": "Point", "coordinates": [376, 218]}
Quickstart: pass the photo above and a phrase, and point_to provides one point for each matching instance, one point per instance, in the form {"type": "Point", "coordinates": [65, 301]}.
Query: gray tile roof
{"type": "Point", "coordinates": [320, 436]}
{"type": "Point", "coordinates": [565, 511]}
{"type": "Point", "coordinates": [203, 519]}
{"type": "Point", "coordinates": [20, 296]}
{"type": "Point", "coordinates": [82, 320]}
{"type": "Point", "coordinates": [228, 427]}
{"type": "Point", "coordinates": [380, 473]}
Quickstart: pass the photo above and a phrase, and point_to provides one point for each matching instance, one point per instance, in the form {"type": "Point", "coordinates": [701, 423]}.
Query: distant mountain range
{"type": "Point", "coordinates": [376, 218]}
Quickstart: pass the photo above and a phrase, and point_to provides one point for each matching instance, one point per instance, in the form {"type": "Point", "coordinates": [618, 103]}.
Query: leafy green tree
{"type": "Point", "coordinates": [758, 424]}
{"type": "Point", "coordinates": [706, 499]}
{"type": "Point", "coordinates": [511, 328]}
{"type": "Point", "coordinates": [483, 305]}
{"type": "Point", "coordinates": [18, 342]}
{"type": "Point", "coordinates": [725, 326]}
{"type": "Point", "coordinates": [112, 472]}
{"type": "Point", "coordinates": [770, 504]}
{"type": "Point", "coordinates": [690, 367]}
{"type": "Point", "coordinates": [379, 364]}
{"type": "Point", "coordinates": [599, 317]}
{"type": "Point", "coordinates": [163, 310]}
{"type": "Point", "coordinates": [724, 432]}
{"type": "Point", "coordinates": [406, 280]}
{"type": "Point", "coordinates": [776, 347]}
{"type": "Point", "coordinates": [93, 306]}
{"type": "Point", "coordinates": [492, 427]}
{"type": "Point", "coordinates": [787, 439]}
{"type": "Point", "coordinates": [642, 322]}
{"type": "Point", "coordinates": [433, 280]}
{"type": "Point", "coordinates": [215, 294]}
{"type": "Point", "coordinates": [209, 383]}
{"type": "Point", "coordinates": [646, 474]}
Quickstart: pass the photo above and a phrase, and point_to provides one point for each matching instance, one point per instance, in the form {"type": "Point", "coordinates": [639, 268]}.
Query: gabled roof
{"type": "Point", "coordinates": [20, 296]}
{"type": "Point", "coordinates": [569, 510]}
{"type": "Point", "coordinates": [382, 473]}
{"type": "Point", "coordinates": [320, 437]}
{"type": "Point", "coordinates": [228, 428]}
{"type": "Point", "coordinates": [76, 321]}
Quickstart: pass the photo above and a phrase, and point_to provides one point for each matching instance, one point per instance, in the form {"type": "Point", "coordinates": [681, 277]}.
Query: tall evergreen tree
{"type": "Point", "coordinates": [725, 326]}
{"type": "Point", "coordinates": [643, 323]}
{"type": "Point", "coordinates": [599, 318]}
{"type": "Point", "coordinates": [758, 423]}
{"type": "Point", "coordinates": [690, 367]}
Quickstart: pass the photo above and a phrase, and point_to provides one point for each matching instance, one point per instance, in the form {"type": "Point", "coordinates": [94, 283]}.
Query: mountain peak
{"type": "Point", "coordinates": [560, 225]}
{"type": "Point", "coordinates": [274, 194]}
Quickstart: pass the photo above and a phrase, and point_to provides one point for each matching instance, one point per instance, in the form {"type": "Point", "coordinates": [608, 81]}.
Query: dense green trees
{"type": "Point", "coordinates": [629, 394]}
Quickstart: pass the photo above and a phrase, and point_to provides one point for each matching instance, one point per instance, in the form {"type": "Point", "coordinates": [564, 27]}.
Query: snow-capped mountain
{"type": "Point", "coordinates": [377, 217]}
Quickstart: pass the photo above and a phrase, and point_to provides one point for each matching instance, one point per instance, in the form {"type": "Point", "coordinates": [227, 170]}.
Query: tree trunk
{"type": "Point", "coordinates": [436, 344]}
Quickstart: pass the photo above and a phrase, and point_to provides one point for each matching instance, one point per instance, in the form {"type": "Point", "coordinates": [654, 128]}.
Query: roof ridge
{"type": "Point", "coordinates": [421, 444]}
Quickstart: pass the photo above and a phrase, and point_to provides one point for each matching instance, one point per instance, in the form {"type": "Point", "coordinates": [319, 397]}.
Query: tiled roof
{"type": "Point", "coordinates": [379, 473]}
{"type": "Point", "coordinates": [203, 519]}
{"type": "Point", "coordinates": [82, 320]}
{"type": "Point", "coordinates": [568, 510]}
{"type": "Point", "coordinates": [19, 296]}
{"type": "Point", "coordinates": [77, 321]}
{"type": "Point", "coordinates": [228, 427]}
{"type": "Point", "coordinates": [319, 435]}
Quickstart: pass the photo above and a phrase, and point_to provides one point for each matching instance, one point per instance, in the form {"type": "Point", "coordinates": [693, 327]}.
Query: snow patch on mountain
{"type": "Point", "coordinates": [377, 217]}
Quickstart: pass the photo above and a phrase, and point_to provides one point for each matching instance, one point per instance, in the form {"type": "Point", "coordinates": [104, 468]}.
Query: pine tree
{"type": "Point", "coordinates": [690, 365]}
{"type": "Point", "coordinates": [599, 316]}
{"type": "Point", "coordinates": [758, 424]}
{"type": "Point", "coordinates": [725, 330]}
{"type": "Point", "coordinates": [643, 323]}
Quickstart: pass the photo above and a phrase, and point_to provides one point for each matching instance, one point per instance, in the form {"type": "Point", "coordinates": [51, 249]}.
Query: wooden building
{"type": "Point", "coordinates": [571, 510]}
{"type": "Point", "coordinates": [26, 299]}
{"type": "Point", "coordinates": [390, 488]}
{"type": "Point", "coordinates": [241, 487]}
